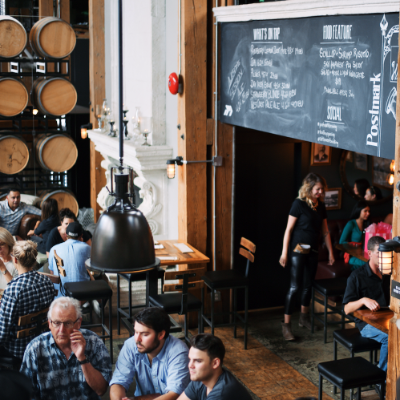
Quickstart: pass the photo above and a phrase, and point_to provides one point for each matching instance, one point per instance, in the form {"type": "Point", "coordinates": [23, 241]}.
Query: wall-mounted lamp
{"type": "Point", "coordinates": [216, 162]}
{"type": "Point", "coordinates": [84, 129]}
{"type": "Point", "coordinates": [386, 250]}
{"type": "Point", "coordinates": [35, 111]}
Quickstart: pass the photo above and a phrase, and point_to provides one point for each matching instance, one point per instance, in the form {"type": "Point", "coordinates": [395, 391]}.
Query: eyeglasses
{"type": "Point", "coordinates": [67, 324]}
{"type": "Point", "coordinates": [2, 245]}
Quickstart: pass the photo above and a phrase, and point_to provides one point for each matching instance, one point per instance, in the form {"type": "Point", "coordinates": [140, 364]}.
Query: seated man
{"type": "Point", "coordinates": [27, 293]}
{"type": "Point", "coordinates": [68, 362]}
{"type": "Point", "coordinates": [208, 379]}
{"type": "Point", "coordinates": [366, 287]}
{"type": "Point", "coordinates": [58, 234]}
{"type": "Point", "coordinates": [157, 361]}
{"type": "Point", "coordinates": [12, 210]}
{"type": "Point", "coordinates": [74, 253]}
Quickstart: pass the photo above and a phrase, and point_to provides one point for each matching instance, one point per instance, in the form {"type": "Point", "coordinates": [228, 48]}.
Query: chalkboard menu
{"type": "Point", "coordinates": [329, 80]}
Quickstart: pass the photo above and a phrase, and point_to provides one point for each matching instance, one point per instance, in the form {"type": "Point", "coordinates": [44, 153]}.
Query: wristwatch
{"type": "Point", "coordinates": [85, 361]}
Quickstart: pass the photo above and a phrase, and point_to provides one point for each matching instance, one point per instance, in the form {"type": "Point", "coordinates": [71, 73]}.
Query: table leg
{"type": "Point", "coordinates": [151, 284]}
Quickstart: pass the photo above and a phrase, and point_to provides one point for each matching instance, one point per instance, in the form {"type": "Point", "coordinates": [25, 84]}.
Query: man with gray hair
{"type": "Point", "coordinates": [68, 362]}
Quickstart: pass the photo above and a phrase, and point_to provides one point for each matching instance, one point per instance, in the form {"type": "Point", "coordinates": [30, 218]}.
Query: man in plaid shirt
{"type": "Point", "coordinates": [12, 211]}
{"type": "Point", "coordinates": [27, 293]}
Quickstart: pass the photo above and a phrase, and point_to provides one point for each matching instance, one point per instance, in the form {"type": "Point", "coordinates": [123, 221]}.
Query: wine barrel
{"type": "Point", "coordinates": [56, 152]}
{"type": "Point", "coordinates": [14, 154]}
{"type": "Point", "coordinates": [52, 38]}
{"type": "Point", "coordinates": [55, 96]}
{"type": "Point", "coordinates": [65, 199]}
{"type": "Point", "coordinates": [13, 98]}
{"type": "Point", "coordinates": [13, 37]}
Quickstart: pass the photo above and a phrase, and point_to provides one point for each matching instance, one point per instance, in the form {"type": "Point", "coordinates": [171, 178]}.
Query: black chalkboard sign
{"type": "Point", "coordinates": [329, 80]}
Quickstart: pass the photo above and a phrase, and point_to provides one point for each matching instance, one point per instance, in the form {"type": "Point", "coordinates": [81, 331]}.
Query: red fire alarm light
{"type": "Point", "coordinates": [174, 85]}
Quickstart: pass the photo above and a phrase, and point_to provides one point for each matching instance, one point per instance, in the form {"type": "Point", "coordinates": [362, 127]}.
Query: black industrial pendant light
{"type": "Point", "coordinates": [122, 240]}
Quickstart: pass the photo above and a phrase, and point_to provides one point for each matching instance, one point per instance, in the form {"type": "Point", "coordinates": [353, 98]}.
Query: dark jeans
{"type": "Point", "coordinates": [302, 273]}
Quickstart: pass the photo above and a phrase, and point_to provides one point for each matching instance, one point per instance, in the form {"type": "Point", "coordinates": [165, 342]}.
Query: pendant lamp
{"type": "Point", "coordinates": [122, 240]}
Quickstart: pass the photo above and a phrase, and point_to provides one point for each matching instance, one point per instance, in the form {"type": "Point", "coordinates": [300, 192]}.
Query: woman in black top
{"type": "Point", "coordinates": [307, 219]}
{"type": "Point", "coordinates": [49, 220]}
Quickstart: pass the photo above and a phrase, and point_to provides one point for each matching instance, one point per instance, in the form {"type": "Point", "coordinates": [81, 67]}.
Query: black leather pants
{"type": "Point", "coordinates": [302, 273]}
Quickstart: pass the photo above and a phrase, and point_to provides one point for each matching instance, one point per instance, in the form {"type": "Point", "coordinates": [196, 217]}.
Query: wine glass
{"type": "Point", "coordinates": [99, 116]}
{"type": "Point", "coordinates": [146, 127]}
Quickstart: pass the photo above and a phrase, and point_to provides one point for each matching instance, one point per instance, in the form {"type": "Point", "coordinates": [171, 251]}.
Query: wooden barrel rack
{"type": "Point", "coordinates": [37, 151]}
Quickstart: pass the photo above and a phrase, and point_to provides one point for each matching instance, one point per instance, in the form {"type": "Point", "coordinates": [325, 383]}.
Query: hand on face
{"type": "Point", "coordinates": [78, 344]}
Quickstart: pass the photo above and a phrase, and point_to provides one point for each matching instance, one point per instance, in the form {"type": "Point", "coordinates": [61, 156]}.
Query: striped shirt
{"type": "Point", "coordinates": [27, 293]}
{"type": "Point", "coordinates": [10, 219]}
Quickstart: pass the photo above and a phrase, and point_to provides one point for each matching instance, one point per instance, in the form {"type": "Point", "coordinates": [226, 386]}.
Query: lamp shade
{"type": "Point", "coordinates": [122, 240]}
{"type": "Point", "coordinates": [171, 169]}
{"type": "Point", "coordinates": [385, 262]}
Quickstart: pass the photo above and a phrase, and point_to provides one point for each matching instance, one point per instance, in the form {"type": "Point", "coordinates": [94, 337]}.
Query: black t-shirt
{"type": "Point", "coordinates": [55, 238]}
{"type": "Point", "coordinates": [308, 225]}
{"type": "Point", "coordinates": [44, 229]}
{"type": "Point", "coordinates": [364, 283]}
{"type": "Point", "coordinates": [226, 388]}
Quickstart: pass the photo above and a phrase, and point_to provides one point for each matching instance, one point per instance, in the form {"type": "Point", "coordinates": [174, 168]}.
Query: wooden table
{"type": "Point", "coordinates": [378, 319]}
{"type": "Point", "coordinates": [355, 251]}
{"type": "Point", "coordinates": [182, 258]}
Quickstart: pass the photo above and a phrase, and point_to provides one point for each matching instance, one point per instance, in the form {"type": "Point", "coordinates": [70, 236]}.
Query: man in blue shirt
{"type": "Point", "coordinates": [74, 253]}
{"type": "Point", "coordinates": [12, 210]}
{"type": "Point", "coordinates": [209, 381]}
{"type": "Point", "coordinates": [68, 362]}
{"type": "Point", "coordinates": [157, 361]}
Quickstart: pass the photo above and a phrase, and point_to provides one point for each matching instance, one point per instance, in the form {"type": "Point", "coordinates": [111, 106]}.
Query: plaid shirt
{"type": "Point", "coordinates": [10, 219]}
{"type": "Point", "coordinates": [53, 376]}
{"type": "Point", "coordinates": [25, 294]}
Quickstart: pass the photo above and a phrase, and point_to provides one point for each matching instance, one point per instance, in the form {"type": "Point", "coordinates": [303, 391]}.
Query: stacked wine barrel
{"type": "Point", "coordinates": [53, 96]}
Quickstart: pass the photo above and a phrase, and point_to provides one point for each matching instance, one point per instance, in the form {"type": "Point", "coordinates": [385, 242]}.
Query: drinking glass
{"type": "Point", "coordinates": [99, 116]}
{"type": "Point", "coordinates": [146, 127]}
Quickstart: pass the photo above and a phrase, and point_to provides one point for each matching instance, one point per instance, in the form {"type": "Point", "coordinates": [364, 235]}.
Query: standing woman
{"type": "Point", "coordinates": [307, 219]}
{"type": "Point", "coordinates": [7, 269]}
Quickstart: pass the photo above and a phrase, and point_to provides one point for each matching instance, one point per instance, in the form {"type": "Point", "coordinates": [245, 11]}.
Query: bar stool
{"type": "Point", "coordinates": [231, 279]}
{"type": "Point", "coordinates": [184, 302]}
{"type": "Point", "coordinates": [137, 277]}
{"type": "Point", "coordinates": [328, 288]}
{"type": "Point", "coordinates": [351, 373]}
{"type": "Point", "coordinates": [352, 340]}
{"type": "Point", "coordinates": [94, 290]}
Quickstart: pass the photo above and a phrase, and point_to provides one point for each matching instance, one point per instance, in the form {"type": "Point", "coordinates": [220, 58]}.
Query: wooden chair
{"type": "Point", "coordinates": [39, 324]}
{"type": "Point", "coordinates": [182, 302]}
{"type": "Point", "coordinates": [231, 279]}
{"type": "Point", "coordinates": [88, 291]}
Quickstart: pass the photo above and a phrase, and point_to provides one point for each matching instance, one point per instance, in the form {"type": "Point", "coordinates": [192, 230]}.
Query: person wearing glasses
{"type": "Point", "coordinates": [27, 293]}
{"type": "Point", "coordinates": [67, 362]}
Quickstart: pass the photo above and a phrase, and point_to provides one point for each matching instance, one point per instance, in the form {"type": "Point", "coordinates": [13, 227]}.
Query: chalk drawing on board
{"type": "Point", "coordinates": [391, 102]}
{"type": "Point", "coordinates": [394, 53]}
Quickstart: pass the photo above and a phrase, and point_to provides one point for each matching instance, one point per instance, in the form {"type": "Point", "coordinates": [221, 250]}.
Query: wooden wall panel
{"type": "Point", "coordinates": [192, 116]}
{"type": "Point", "coordinates": [45, 8]}
{"type": "Point", "coordinates": [97, 93]}
{"type": "Point", "coordinates": [393, 372]}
